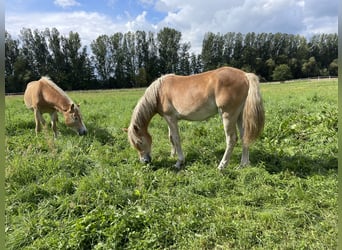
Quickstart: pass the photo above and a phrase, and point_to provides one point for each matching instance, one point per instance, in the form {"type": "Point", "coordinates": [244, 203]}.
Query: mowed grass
{"type": "Point", "coordinates": [92, 192]}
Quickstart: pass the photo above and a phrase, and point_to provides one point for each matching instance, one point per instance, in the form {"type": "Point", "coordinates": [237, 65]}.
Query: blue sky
{"type": "Point", "coordinates": [192, 17]}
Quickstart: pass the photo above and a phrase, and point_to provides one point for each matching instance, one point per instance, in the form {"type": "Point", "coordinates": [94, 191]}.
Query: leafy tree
{"type": "Point", "coordinates": [310, 68]}
{"type": "Point", "coordinates": [11, 56]}
{"type": "Point", "coordinates": [136, 59]}
{"type": "Point", "coordinates": [282, 73]}
{"type": "Point", "coordinates": [102, 58]}
{"type": "Point", "coordinates": [212, 51]}
{"type": "Point", "coordinates": [79, 70]}
{"type": "Point", "coordinates": [130, 62]}
{"type": "Point", "coordinates": [168, 48]}
{"type": "Point", "coordinates": [333, 68]}
{"type": "Point", "coordinates": [196, 65]}
{"type": "Point", "coordinates": [184, 60]}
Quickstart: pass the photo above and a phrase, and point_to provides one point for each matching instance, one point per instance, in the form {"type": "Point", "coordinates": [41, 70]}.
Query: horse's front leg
{"type": "Point", "coordinates": [175, 140]}
{"type": "Point", "coordinates": [173, 148]}
{"type": "Point", "coordinates": [54, 119]}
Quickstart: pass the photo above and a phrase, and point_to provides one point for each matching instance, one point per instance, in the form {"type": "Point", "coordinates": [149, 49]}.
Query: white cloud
{"type": "Point", "coordinates": [192, 18]}
{"type": "Point", "coordinates": [66, 3]}
{"type": "Point", "coordinates": [140, 23]}
{"type": "Point", "coordinates": [88, 24]}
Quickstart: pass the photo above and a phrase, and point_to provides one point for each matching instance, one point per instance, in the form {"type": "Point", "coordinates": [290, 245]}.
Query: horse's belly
{"type": "Point", "coordinates": [197, 113]}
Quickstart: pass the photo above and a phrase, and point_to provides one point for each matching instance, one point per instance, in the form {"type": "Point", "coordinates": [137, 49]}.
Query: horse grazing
{"type": "Point", "coordinates": [44, 96]}
{"type": "Point", "coordinates": [229, 91]}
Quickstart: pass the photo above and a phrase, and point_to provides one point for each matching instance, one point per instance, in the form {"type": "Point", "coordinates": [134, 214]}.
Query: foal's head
{"type": "Point", "coordinates": [73, 119]}
{"type": "Point", "coordinates": [141, 140]}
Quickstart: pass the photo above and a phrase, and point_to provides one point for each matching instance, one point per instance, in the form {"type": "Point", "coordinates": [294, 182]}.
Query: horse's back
{"type": "Point", "coordinates": [222, 83]}
{"type": "Point", "coordinates": [37, 94]}
{"type": "Point", "coordinates": [199, 96]}
{"type": "Point", "coordinates": [31, 93]}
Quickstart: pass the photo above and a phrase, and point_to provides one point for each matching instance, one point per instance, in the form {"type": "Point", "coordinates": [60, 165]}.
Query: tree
{"type": "Point", "coordinates": [130, 62]}
{"type": "Point", "coordinates": [310, 68]}
{"type": "Point", "coordinates": [102, 58]}
{"type": "Point", "coordinates": [184, 60]}
{"type": "Point", "coordinates": [136, 59]}
{"type": "Point", "coordinates": [282, 73]}
{"type": "Point", "coordinates": [212, 51]}
{"type": "Point", "coordinates": [79, 71]}
{"type": "Point", "coordinates": [196, 65]}
{"type": "Point", "coordinates": [11, 56]}
{"type": "Point", "coordinates": [333, 68]}
{"type": "Point", "coordinates": [168, 48]}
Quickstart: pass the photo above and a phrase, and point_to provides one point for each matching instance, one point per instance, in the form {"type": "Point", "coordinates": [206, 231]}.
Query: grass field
{"type": "Point", "coordinates": [92, 192]}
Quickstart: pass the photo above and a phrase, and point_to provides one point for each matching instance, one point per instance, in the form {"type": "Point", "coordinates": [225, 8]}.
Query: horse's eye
{"type": "Point", "coordinates": [75, 118]}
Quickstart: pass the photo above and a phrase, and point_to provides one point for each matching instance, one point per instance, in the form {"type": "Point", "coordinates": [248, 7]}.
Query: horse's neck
{"type": "Point", "coordinates": [63, 104]}
{"type": "Point", "coordinates": [60, 101]}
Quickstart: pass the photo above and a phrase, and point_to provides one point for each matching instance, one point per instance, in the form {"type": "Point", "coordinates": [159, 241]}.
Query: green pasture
{"type": "Point", "coordinates": [93, 193]}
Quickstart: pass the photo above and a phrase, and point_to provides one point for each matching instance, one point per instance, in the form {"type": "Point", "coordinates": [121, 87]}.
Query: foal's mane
{"type": "Point", "coordinates": [55, 87]}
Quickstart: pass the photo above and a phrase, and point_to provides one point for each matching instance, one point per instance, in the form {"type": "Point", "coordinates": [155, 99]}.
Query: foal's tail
{"type": "Point", "coordinates": [253, 112]}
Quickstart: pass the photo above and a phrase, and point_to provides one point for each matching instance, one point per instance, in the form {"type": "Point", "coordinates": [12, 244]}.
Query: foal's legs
{"type": "Point", "coordinates": [175, 140]}
{"type": "Point", "coordinates": [39, 120]}
{"type": "Point", "coordinates": [229, 124]}
{"type": "Point", "coordinates": [54, 119]}
{"type": "Point", "coordinates": [245, 151]}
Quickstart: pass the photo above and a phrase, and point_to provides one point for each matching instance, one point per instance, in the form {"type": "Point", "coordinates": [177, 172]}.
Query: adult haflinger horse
{"type": "Point", "coordinates": [232, 92]}
{"type": "Point", "coordinates": [44, 96]}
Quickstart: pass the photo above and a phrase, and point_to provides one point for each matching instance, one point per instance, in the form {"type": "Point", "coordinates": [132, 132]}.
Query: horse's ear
{"type": "Point", "coordinates": [72, 107]}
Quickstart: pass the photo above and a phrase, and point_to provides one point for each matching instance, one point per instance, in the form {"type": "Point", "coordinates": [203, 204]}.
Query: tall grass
{"type": "Point", "coordinates": [92, 192]}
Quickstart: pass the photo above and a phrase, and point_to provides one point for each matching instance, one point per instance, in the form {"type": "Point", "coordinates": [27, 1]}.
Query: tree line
{"type": "Point", "coordinates": [135, 59]}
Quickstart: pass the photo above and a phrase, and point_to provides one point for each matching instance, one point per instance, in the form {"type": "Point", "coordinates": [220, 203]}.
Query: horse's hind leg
{"type": "Point", "coordinates": [231, 138]}
{"type": "Point", "coordinates": [245, 150]}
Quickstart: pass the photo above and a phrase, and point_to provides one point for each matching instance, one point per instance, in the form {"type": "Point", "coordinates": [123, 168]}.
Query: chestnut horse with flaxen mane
{"type": "Point", "coordinates": [229, 91]}
{"type": "Point", "coordinates": [44, 96]}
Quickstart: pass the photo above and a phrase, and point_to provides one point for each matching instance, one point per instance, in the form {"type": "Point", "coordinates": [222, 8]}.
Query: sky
{"type": "Point", "coordinates": [193, 18]}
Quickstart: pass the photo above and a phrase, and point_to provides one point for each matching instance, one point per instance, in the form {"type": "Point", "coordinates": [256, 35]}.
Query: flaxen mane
{"type": "Point", "coordinates": [145, 108]}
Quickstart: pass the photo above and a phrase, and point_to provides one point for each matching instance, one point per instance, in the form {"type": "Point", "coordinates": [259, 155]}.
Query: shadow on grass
{"type": "Point", "coordinates": [102, 135]}
{"type": "Point", "coordinates": [15, 128]}
{"type": "Point", "coordinates": [298, 164]}
{"type": "Point", "coordinates": [274, 163]}
{"type": "Point", "coordinates": [165, 163]}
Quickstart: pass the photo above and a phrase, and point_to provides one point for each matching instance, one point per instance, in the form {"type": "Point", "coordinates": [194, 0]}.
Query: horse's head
{"type": "Point", "coordinates": [73, 119]}
{"type": "Point", "coordinates": [141, 140]}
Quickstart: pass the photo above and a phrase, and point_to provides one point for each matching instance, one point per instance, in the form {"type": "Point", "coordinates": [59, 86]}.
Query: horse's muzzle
{"type": "Point", "coordinates": [146, 159]}
{"type": "Point", "coordinates": [82, 132]}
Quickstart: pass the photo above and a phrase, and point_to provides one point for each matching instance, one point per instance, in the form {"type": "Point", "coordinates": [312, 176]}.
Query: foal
{"type": "Point", "coordinates": [44, 96]}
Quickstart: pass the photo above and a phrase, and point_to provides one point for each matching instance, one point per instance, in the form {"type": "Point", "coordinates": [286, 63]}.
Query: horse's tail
{"type": "Point", "coordinates": [253, 112]}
